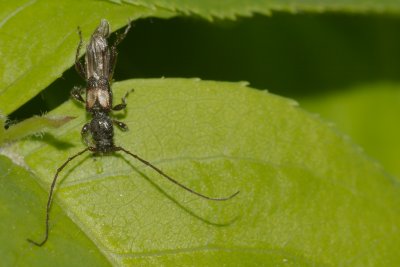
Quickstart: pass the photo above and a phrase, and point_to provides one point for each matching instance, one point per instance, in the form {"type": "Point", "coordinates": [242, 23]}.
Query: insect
{"type": "Point", "coordinates": [98, 134]}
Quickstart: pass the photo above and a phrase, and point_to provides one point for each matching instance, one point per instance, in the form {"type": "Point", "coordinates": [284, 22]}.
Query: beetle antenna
{"type": "Point", "coordinates": [49, 200]}
{"type": "Point", "coordinates": [171, 179]}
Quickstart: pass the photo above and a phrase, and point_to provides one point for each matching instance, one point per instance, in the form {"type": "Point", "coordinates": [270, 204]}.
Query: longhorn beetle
{"type": "Point", "coordinates": [98, 134]}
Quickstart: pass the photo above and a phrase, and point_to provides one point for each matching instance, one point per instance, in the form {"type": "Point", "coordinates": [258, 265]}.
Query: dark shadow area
{"type": "Point", "coordinates": [290, 55]}
{"type": "Point", "coordinates": [51, 140]}
{"type": "Point", "coordinates": [50, 98]}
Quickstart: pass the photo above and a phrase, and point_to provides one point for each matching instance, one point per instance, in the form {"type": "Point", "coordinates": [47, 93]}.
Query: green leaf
{"type": "Point", "coordinates": [234, 8]}
{"type": "Point", "coordinates": [370, 115]}
{"type": "Point", "coordinates": [34, 125]}
{"type": "Point", "coordinates": [39, 40]}
{"type": "Point", "coordinates": [21, 201]}
{"type": "Point", "coordinates": [307, 195]}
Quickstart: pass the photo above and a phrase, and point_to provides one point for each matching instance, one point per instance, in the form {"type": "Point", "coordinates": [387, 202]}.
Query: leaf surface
{"type": "Point", "coordinates": [34, 125]}
{"type": "Point", "coordinates": [21, 200]}
{"type": "Point", "coordinates": [307, 197]}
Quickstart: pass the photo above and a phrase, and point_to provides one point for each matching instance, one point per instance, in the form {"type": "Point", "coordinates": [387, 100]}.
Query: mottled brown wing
{"type": "Point", "coordinates": [98, 53]}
